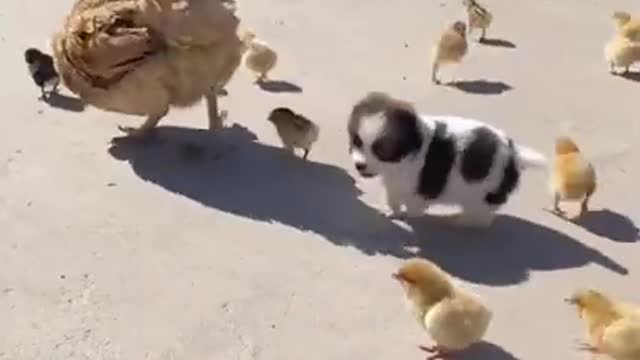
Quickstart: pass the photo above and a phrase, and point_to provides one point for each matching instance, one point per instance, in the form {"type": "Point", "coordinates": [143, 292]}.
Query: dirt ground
{"type": "Point", "coordinates": [241, 252]}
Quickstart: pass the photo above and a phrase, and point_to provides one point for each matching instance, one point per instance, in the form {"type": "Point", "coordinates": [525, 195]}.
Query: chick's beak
{"type": "Point", "coordinates": [396, 276]}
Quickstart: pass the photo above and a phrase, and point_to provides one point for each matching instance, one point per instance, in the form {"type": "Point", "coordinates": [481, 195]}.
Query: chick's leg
{"type": "Point", "coordinates": [584, 207]}
{"type": "Point", "coordinates": [306, 153]}
{"type": "Point", "coordinates": [434, 72]}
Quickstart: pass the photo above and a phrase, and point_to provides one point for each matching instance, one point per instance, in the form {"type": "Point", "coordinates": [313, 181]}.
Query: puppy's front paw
{"type": "Point", "coordinates": [396, 215]}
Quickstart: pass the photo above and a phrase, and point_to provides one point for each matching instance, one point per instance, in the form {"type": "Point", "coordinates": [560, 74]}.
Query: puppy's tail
{"type": "Point", "coordinates": [530, 158]}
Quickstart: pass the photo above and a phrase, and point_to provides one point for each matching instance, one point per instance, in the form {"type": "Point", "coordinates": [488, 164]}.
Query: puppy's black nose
{"type": "Point", "coordinates": [361, 167]}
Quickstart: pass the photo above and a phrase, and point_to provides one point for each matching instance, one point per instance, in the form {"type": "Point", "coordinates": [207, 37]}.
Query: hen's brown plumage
{"type": "Point", "coordinates": [140, 57]}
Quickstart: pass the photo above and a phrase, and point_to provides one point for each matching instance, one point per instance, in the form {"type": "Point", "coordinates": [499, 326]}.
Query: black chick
{"type": "Point", "coordinates": [42, 71]}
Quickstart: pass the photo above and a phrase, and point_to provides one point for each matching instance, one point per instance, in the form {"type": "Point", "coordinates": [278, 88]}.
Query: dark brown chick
{"type": "Point", "coordinates": [295, 130]}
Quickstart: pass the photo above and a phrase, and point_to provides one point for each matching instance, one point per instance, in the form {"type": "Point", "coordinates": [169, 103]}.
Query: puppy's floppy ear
{"type": "Point", "coordinates": [385, 149]}
{"type": "Point", "coordinates": [400, 137]}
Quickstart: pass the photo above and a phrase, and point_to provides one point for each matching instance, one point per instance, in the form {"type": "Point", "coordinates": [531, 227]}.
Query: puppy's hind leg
{"type": "Point", "coordinates": [476, 215]}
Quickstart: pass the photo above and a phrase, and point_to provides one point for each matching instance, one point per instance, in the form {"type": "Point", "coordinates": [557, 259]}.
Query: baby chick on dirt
{"type": "Point", "coordinates": [613, 328]}
{"type": "Point", "coordinates": [42, 71]}
{"type": "Point", "coordinates": [260, 57]}
{"type": "Point", "coordinates": [573, 177]}
{"type": "Point", "coordinates": [478, 17]}
{"type": "Point", "coordinates": [295, 130]}
{"type": "Point", "coordinates": [450, 49]}
{"type": "Point", "coordinates": [453, 317]}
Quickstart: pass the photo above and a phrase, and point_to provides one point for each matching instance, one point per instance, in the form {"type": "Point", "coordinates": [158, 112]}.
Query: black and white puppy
{"type": "Point", "coordinates": [425, 160]}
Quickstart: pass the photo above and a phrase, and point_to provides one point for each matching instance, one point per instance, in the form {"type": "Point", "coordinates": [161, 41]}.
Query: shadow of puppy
{"type": "Point", "coordinates": [65, 102]}
{"type": "Point", "coordinates": [609, 224]}
{"type": "Point", "coordinates": [498, 43]}
{"type": "Point", "coordinates": [278, 86]}
{"type": "Point", "coordinates": [238, 175]}
{"type": "Point", "coordinates": [486, 351]}
{"type": "Point", "coordinates": [483, 87]}
{"type": "Point", "coordinates": [505, 253]}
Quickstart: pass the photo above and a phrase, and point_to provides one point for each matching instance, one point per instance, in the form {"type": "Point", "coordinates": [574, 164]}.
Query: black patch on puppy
{"type": "Point", "coordinates": [400, 136]}
{"type": "Point", "coordinates": [509, 182]}
{"type": "Point", "coordinates": [438, 163]}
{"type": "Point", "coordinates": [477, 157]}
{"type": "Point", "coordinates": [356, 141]}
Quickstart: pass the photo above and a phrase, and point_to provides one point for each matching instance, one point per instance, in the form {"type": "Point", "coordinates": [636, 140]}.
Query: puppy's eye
{"type": "Point", "coordinates": [356, 141]}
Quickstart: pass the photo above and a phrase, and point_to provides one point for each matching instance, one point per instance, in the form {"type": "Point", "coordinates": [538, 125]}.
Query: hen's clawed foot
{"type": "Point", "coordinates": [436, 352]}
{"type": "Point", "coordinates": [428, 349]}
{"type": "Point", "coordinates": [133, 134]}
{"type": "Point", "coordinates": [586, 347]}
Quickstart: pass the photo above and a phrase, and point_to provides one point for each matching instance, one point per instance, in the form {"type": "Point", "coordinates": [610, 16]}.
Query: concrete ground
{"type": "Point", "coordinates": [245, 253]}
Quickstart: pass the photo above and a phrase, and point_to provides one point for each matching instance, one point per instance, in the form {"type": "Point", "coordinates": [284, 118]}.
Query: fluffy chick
{"type": "Point", "coordinates": [621, 52]}
{"type": "Point", "coordinates": [613, 328]}
{"type": "Point", "coordinates": [626, 25]}
{"type": "Point", "coordinates": [573, 177]}
{"type": "Point", "coordinates": [260, 57]}
{"type": "Point", "coordinates": [478, 17]}
{"type": "Point", "coordinates": [295, 130]}
{"type": "Point", "coordinates": [42, 71]}
{"type": "Point", "coordinates": [450, 49]}
{"type": "Point", "coordinates": [453, 317]}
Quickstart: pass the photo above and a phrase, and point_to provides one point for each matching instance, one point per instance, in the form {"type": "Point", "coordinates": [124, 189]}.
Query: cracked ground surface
{"type": "Point", "coordinates": [244, 253]}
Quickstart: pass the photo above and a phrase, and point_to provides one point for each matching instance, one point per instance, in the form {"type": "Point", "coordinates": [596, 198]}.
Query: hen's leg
{"type": "Point", "coordinates": [144, 130]}
{"type": "Point", "coordinates": [216, 118]}
{"type": "Point", "coordinates": [436, 352]}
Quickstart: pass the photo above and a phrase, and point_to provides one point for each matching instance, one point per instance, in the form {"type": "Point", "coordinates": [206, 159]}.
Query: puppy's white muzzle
{"type": "Point", "coordinates": [361, 164]}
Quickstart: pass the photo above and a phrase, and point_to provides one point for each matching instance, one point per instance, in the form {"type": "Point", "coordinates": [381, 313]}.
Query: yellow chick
{"type": "Point", "coordinates": [453, 317]}
{"type": "Point", "coordinates": [573, 177]}
{"type": "Point", "coordinates": [621, 52]}
{"type": "Point", "coordinates": [627, 26]}
{"type": "Point", "coordinates": [478, 17]}
{"type": "Point", "coordinates": [260, 57]}
{"type": "Point", "coordinates": [450, 49]}
{"type": "Point", "coordinates": [613, 328]}
{"type": "Point", "coordinates": [295, 130]}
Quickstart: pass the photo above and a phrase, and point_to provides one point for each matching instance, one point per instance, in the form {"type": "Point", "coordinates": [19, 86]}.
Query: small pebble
{"type": "Point", "coordinates": [63, 276]}
{"type": "Point", "coordinates": [111, 184]}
